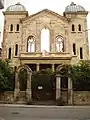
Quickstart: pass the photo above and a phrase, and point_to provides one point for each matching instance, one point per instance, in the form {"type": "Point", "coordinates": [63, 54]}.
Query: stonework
{"type": "Point", "coordinates": [32, 26]}
{"type": "Point", "coordinates": [68, 37]}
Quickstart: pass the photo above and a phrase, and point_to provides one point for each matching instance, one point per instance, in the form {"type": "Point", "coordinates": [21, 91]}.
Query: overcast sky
{"type": "Point", "coordinates": [58, 6]}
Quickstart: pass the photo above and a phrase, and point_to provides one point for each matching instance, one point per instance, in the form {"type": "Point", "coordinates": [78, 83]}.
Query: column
{"type": "Point", "coordinates": [37, 67]}
{"type": "Point", "coordinates": [53, 67]}
{"type": "Point", "coordinates": [17, 89]}
{"type": "Point", "coordinates": [28, 91]}
{"type": "Point", "coordinates": [58, 86]}
{"type": "Point", "coordinates": [70, 91]}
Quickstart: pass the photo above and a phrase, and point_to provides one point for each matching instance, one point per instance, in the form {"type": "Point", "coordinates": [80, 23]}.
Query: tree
{"type": "Point", "coordinates": [6, 76]}
{"type": "Point", "coordinates": [80, 74]}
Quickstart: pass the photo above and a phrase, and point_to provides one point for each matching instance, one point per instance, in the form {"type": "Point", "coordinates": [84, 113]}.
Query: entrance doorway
{"type": "Point", "coordinates": [43, 86]}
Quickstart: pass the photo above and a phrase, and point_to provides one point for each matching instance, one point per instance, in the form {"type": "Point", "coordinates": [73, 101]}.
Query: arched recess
{"type": "Point", "coordinates": [11, 27]}
{"type": "Point", "coordinates": [28, 79]}
{"type": "Point", "coordinates": [59, 43]}
{"type": "Point", "coordinates": [31, 44]}
{"type": "Point", "coordinates": [16, 49]}
{"type": "Point", "coordinates": [79, 27]}
{"type": "Point", "coordinates": [64, 83]}
{"type": "Point", "coordinates": [60, 67]}
{"type": "Point", "coordinates": [45, 40]}
{"type": "Point", "coordinates": [9, 53]}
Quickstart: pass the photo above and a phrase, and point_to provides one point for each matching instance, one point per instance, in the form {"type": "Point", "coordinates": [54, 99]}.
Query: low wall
{"type": "Point", "coordinates": [81, 97]}
{"type": "Point", "coordinates": [7, 96]}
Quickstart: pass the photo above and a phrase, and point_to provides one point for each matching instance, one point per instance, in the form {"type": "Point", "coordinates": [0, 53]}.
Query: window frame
{"type": "Point", "coordinates": [33, 42]}
{"type": "Point", "coordinates": [17, 28]}
{"type": "Point", "coordinates": [62, 42]}
{"type": "Point", "coordinates": [11, 28]}
{"type": "Point", "coordinates": [9, 53]}
{"type": "Point", "coordinates": [79, 28]}
{"type": "Point", "coordinates": [74, 49]}
{"type": "Point", "coordinates": [81, 53]}
{"type": "Point", "coordinates": [16, 50]}
{"type": "Point", "coordinates": [73, 28]}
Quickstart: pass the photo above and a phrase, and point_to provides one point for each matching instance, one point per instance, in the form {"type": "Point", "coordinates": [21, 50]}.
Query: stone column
{"type": "Point", "coordinates": [53, 67]}
{"type": "Point", "coordinates": [37, 67]}
{"type": "Point", "coordinates": [58, 86]}
{"type": "Point", "coordinates": [28, 91]}
{"type": "Point", "coordinates": [17, 89]}
{"type": "Point", "coordinates": [70, 91]}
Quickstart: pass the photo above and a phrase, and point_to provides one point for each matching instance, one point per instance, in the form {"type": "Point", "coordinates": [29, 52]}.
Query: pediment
{"type": "Point", "coordinates": [45, 14]}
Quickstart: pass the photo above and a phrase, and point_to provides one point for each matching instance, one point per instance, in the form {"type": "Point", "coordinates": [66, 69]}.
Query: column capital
{"type": "Point", "coordinates": [58, 75]}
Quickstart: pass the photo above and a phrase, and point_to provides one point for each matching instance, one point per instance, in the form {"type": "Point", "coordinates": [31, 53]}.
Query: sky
{"type": "Point", "coordinates": [34, 6]}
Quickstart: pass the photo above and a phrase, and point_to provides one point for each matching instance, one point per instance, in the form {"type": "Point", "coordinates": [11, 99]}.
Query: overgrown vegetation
{"type": "Point", "coordinates": [80, 75]}
{"type": "Point", "coordinates": [6, 76]}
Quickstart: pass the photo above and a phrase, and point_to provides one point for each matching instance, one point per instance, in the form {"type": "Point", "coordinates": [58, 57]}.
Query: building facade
{"type": "Point", "coordinates": [66, 38]}
{"type": "Point", "coordinates": [44, 40]}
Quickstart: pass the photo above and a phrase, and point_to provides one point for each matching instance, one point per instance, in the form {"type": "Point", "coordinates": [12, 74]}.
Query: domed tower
{"type": "Point", "coordinates": [78, 34]}
{"type": "Point", "coordinates": [17, 7]}
{"type": "Point", "coordinates": [13, 31]}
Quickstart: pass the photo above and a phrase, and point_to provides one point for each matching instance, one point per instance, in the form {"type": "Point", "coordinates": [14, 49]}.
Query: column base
{"type": "Point", "coordinates": [57, 93]}
{"type": "Point", "coordinates": [16, 93]}
{"type": "Point", "coordinates": [70, 95]}
{"type": "Point", "coordinates": [28, 94]}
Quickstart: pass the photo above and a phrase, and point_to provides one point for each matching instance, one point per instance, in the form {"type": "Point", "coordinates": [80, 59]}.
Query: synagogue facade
{"type": "Point", "coordinates": [45, 39]}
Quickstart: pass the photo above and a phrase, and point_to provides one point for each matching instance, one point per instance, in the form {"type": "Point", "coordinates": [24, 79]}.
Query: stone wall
{"type": "Point", "coordinates": [7, 96]}
{"type": "Point", "coordinates": [81, 98]}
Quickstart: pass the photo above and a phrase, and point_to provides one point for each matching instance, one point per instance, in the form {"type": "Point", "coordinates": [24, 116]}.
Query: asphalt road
{"type": "Point", "coordinates": [16, 113]}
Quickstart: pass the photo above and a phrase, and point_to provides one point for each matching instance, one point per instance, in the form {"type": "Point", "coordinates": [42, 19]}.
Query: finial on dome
{"type": "Point", "coordinates": [72, 3]}
{"type": "Point", "coordinates": [18, 3]}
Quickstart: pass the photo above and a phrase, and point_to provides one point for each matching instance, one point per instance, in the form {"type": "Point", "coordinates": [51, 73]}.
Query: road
{"type": "Point", "coordinates": [17, 113]}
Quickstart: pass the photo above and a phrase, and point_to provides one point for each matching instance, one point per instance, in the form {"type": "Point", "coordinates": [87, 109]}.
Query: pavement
{"type": "Point", "coordinates": [42, 106]}
{"type": "Point", "coordinates": [41, 112]}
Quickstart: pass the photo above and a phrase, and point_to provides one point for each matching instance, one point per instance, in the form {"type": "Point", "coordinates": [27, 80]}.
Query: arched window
{"type": "Point", "coordinates": [16, 50]}
{"type": "Point", "coordinates": [11, 27]}
{"type": "Point", "coordinates": [59, 44]}
{"type": "Point", "coordinates": [45, 40]}
{"type": "Point", "coordinates": [9, 53]}
{"type": "Point", "coordinates": [17, 29]}
{"type": "Point", "coordinates": [73, 27]}
{"type": "Point", "coordinates": [31, 44]}
{"type": "Point", "coordinates": [79, 27]}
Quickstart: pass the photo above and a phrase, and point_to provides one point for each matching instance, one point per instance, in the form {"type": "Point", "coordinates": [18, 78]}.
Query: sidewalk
{"type": "Point", "coordinates": [42, 106]}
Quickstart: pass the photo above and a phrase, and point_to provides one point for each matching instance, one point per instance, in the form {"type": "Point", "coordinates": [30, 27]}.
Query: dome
{"type": "Point", "coordinates": [74, 8]}
{"type": "Point", "coordinates": [16, 7]}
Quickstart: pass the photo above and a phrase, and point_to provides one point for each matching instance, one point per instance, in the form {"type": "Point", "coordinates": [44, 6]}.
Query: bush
{"type": "Point", "coordinates": [60, 102]}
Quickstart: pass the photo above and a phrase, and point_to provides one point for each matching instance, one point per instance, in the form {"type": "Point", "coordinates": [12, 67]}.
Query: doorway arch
{"type": "Point", "coordinates": [28, 79]}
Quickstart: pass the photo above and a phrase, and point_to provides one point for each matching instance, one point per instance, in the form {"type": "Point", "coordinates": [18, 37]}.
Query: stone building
{"type": "Point", "coordinates": [45, 39]}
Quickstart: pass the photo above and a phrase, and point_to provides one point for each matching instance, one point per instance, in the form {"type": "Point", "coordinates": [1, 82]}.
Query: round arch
{"type": "Point", "coordinates": [45, 38]}
{"type": "Point", "coordinates": [60, 67]}
{"type": "Point", "coordinates": [26, 67]}
{"type": "Point", "coordinates": [17, 83]}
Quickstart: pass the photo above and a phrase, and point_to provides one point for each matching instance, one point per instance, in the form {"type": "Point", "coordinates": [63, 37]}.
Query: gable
{"type": "Point", "coordinates": [45, 13]}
